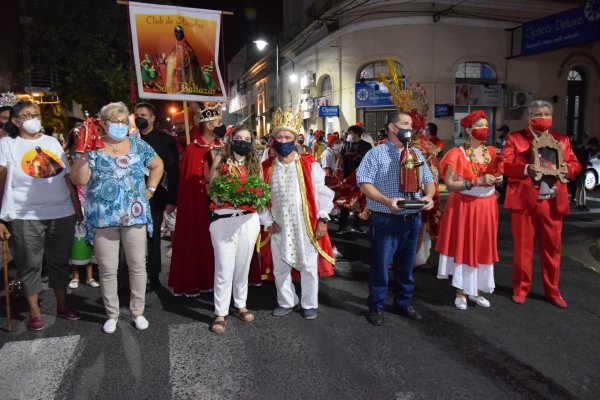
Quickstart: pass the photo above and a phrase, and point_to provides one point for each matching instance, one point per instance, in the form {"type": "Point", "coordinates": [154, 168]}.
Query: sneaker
{"type": "Point", "coordinates": [309, 313]}
{"type": "Point", "coordinates": [74, 284]}
{"type": "Point", "coordinates": [480, 301]}
{"type": "Point", "coordinates": [282, 311]}
{"type": "Point", "coordinates": [71, 315]}
{"type": "Point", "coordinates": [141, 323]}
{"type": "Point", "coordinates": [35, 323]}
{"type": "Point", "coordinates": [93, 283]}
{"type": "Point", "coordinates": [110, 326]}
{"type": "Point", "coordinates": [460, 303]}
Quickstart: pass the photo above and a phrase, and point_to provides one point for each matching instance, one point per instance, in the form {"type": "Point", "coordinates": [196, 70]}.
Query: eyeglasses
{"type": "Point", "coordinates": [28, 116]}
{"type": "Point", "coordinates": [116, 121]}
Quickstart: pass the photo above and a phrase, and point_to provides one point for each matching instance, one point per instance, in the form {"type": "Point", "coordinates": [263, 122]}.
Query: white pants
{"type": "Point", "coordinates": [106, 248]}
{"type": "Point", "coordinates": [233, 241]}
{"type": "Point", "coordinates": [309, 281]}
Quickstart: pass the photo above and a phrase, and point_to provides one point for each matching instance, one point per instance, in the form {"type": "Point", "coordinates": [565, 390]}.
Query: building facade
{"type": "Point", "coordinates": [466, 56]}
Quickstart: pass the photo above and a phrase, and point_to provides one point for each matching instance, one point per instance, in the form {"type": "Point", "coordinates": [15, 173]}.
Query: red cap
{"type": "Point", "coordinates": [332, 138]}
{"type": "Point", "coordinates": [470, 119]}
{"type": "Point", "coordinates": [358, 123]}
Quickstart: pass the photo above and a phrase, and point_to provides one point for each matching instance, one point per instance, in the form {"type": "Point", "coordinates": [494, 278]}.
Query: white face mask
{"type": "Point", "coordinates": [32, 125]}
{"type": "Point", "coordinates": [337, 147]}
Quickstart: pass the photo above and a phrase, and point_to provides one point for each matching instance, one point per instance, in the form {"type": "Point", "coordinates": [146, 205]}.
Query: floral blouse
{"type": "Point", "coordinates": [115, 194]}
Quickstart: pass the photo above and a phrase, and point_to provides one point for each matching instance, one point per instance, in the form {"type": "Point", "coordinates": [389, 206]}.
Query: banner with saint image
{"type": "Point", "coordinates": [176, 52]}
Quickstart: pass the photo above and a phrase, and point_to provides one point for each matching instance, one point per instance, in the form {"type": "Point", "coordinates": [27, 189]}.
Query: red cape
{"type": "Point", "coordinates": [192, 263]}
{"type": "Point", "coordinates": [326, 259]}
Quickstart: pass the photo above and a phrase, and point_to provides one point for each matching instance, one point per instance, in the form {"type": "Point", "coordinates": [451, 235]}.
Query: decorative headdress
{"type": "Point", "coordinates": [472, 117]}
{"type": "Point", "coordinates": [8, 99]}
{"type": "Point", "coordinates": [287, 121]}
{"type": "Point", "coordinates": [211, 112]}
{"type": "Point", "coordinates": [411, 99]}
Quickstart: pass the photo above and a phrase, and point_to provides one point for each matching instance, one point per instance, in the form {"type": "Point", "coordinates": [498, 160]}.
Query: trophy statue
{"type": "Point", "coordinates": [410, 173]}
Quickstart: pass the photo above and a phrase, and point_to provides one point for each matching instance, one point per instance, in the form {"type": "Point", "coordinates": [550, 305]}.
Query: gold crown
{"type": "Point", "coordinates": [405, 98]}
{"type": "Point", "coordinates": [211, 112]}
{"type": "Point", "coordinates": [287, 121]}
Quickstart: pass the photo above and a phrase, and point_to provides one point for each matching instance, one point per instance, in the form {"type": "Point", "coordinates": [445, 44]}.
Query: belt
{"type": "Point", "coordinates": [545, 196]}
{"type": "Point", "coordinates": [404, 217]}
{"type": "Point", "coordinates": [214, 216]}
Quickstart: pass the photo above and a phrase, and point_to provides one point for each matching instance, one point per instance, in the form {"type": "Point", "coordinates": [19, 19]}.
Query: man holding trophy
{"type": "Point", "coordinates": [538, 163]}
{"type": "Point", "coordinates": [392, 176]}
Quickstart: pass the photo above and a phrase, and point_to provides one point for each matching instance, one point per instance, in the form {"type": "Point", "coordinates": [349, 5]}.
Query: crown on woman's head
{"type": "Point", "coordinates": [289, 121]}
{"type": "Point", "coordinates": [211, 112]}
{"type": "Point", "coordinates": [8, 99]}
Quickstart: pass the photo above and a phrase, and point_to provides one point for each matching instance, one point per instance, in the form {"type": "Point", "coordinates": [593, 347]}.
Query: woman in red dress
{"type": "Point", "coordinates": [468, 232]}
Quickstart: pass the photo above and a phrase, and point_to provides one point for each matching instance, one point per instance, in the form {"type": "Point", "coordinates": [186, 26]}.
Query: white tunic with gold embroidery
{"type": "Point", "coordinates": [287, 210]}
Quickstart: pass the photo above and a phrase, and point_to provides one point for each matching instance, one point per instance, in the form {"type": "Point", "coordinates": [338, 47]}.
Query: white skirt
{"type": "Point", "coordinates": [467, 278]}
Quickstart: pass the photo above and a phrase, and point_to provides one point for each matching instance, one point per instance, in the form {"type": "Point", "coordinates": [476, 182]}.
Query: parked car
{"type": "Point", "coordinates": [592, 173]}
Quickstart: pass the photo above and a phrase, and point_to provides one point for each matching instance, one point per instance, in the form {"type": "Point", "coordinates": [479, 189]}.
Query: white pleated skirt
{"type": "Point", "coordinates": [467, 278]}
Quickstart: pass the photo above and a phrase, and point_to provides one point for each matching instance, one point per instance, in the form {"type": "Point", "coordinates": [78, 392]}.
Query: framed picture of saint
{"type": "Point", "coordinates": [547, 156]}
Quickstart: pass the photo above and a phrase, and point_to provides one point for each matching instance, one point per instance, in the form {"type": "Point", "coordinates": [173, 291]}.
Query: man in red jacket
{"type": "Point", "coordinates": [537, 207]}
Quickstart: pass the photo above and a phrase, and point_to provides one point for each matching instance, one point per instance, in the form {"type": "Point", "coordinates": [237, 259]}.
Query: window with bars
{"type": "Point", "coordinates": [369, 72]}
{"type": "Point", "coordinates": [475, 70]}
{"type": "Point", "coordinates": [326, 86]}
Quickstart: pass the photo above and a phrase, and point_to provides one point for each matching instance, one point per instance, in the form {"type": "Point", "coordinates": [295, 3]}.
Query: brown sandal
{"type": "Point", "coordinates": [245, 316]}
{"type": "Point", "coordinates": [218, 326]}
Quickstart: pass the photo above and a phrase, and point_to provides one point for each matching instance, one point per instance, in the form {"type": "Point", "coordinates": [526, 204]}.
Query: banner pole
{"type": "Point", "coordinates": [186, 122]}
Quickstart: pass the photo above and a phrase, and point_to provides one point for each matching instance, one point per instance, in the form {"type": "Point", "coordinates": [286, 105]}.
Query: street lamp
{"type": "Point", "coordinates": [260, 45]}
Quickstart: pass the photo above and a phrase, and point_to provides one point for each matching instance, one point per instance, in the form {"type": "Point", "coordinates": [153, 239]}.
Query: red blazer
{"type": "Point", "coordinates": [521, 194]}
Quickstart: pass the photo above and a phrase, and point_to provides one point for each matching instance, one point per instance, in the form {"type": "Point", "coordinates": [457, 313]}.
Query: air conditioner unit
{"type": "Point", "coordinates": [521, 99]}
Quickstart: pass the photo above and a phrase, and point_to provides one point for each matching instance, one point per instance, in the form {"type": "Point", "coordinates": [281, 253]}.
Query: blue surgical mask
{"type": "Point", "coordinates": [284, 149]}
{"type": "Point", "coordinates": [117, 132]}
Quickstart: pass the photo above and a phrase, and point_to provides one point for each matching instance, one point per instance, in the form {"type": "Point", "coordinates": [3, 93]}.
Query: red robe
{"type": "Point", "coordinates": [326, 258]}
{"type": "Point", "coordinates": [192, 262]}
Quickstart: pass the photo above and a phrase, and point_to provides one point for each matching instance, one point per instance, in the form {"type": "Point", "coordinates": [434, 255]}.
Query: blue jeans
{"type": "Point", "coordinates": [392, 239]}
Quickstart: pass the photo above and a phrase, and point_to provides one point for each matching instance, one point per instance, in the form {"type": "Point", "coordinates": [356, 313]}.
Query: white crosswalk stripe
{"type": "Point", "coordinates": [33, 369]}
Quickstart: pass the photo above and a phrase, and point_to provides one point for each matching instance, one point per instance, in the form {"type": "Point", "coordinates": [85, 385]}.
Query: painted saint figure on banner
{"type": "Point", "coordinates": [184, 74]}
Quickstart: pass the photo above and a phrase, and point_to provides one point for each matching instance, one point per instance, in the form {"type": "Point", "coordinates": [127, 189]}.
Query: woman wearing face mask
{"type": "Point", "coordinates": [45, 209]}
{"type": "Point", "coordinates": [467, 237]}
{"type": "Point", "coordinates": [233, 231]}
{"type": "Point", "coordinates": [117, 208]}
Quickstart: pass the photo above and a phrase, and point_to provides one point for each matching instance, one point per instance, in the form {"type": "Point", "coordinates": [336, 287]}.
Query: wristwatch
{"type": "Point", "coordinates": [151, 189]}
{"type": "Point", "coordinates": [326, 220]}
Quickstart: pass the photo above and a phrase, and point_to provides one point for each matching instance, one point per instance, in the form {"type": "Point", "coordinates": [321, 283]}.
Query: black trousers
{"type": "Point", "coordinates": [344, 214]}
{"type": "Point", "coordinates": [154, 259]}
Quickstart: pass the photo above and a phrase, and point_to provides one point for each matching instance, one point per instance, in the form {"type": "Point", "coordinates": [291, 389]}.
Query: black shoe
{"type": "Point", "coordinates": [409, 312]}
{"type": "Point", "coordinates": [375, 317]}
{"type": "Point", "coordinates": [154, 283]}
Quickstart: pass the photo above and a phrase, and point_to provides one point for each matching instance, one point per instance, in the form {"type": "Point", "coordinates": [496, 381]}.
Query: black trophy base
{"type": "Point", "coordinates": [411, 204]}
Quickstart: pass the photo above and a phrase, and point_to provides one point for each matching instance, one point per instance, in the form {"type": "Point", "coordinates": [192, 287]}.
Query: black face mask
{"type": "Point", "coordinates": [220, 131]}
{"type": "Point", "coordinates": [404, 135]}
{"type": "Point", "coordinates": [241, 147]}
{"type": "Point", "coordinates": [3, 125]}
{"type": "Point", "coordinates": [141, 123]}
{"type": "Point", "coordinates": [300, 141]}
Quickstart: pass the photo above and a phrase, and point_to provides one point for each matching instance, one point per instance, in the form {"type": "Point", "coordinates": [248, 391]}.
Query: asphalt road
{"type": "Point", "coordinates": [509, 351]}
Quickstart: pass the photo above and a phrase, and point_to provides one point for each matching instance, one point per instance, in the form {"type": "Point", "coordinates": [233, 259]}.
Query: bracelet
{"type": "Point", "coordinates": [325, 220]}
{"type": "Point", "coordinates": [151, 189]}
{"type": "Point", "coordinates": [466, 184]}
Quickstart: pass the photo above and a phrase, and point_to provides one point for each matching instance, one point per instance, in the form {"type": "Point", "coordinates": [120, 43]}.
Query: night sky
{"type": "Point", "coordinates": [251, 18]}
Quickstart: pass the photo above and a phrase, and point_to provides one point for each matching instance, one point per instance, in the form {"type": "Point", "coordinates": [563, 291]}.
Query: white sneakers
{"type": "Point", "coordinates": [74, 284]}
{"type": "Point", "coordinates": [141, 323]}
{"type": "Point", "coordinates": [480, 301]}
{"type": "Point", "coordinates": [461, 303]}
{"type": "Point", "coordinates": [110, 326]}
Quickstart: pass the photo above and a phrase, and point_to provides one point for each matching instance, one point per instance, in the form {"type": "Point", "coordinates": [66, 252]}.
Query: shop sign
{"type": "Point", "coordinates": [329, 111]}
{"type": "Point", "coordinates": [568, 28]}
{"type": "Point", "coordinates": [371, 94]}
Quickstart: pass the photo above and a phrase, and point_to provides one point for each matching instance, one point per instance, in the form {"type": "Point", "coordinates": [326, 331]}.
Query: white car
{"type": "Point", "coordinates": [592, 173]}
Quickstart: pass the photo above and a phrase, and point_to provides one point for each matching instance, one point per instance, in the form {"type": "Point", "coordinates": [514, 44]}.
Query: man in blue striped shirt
{"type": "Point", "coordinates": [394, 230]}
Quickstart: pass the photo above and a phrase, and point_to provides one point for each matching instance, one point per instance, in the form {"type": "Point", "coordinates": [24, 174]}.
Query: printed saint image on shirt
{"type": "Point", "coordinates": [41, 163]}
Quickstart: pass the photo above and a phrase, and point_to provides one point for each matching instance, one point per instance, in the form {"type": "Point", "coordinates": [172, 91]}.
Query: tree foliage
{"type": "Point", "coordinates": [86, 43]}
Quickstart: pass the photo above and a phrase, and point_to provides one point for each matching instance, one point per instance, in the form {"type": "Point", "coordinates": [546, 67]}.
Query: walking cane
{"type": "Point", "coordinates": [6, 288]}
